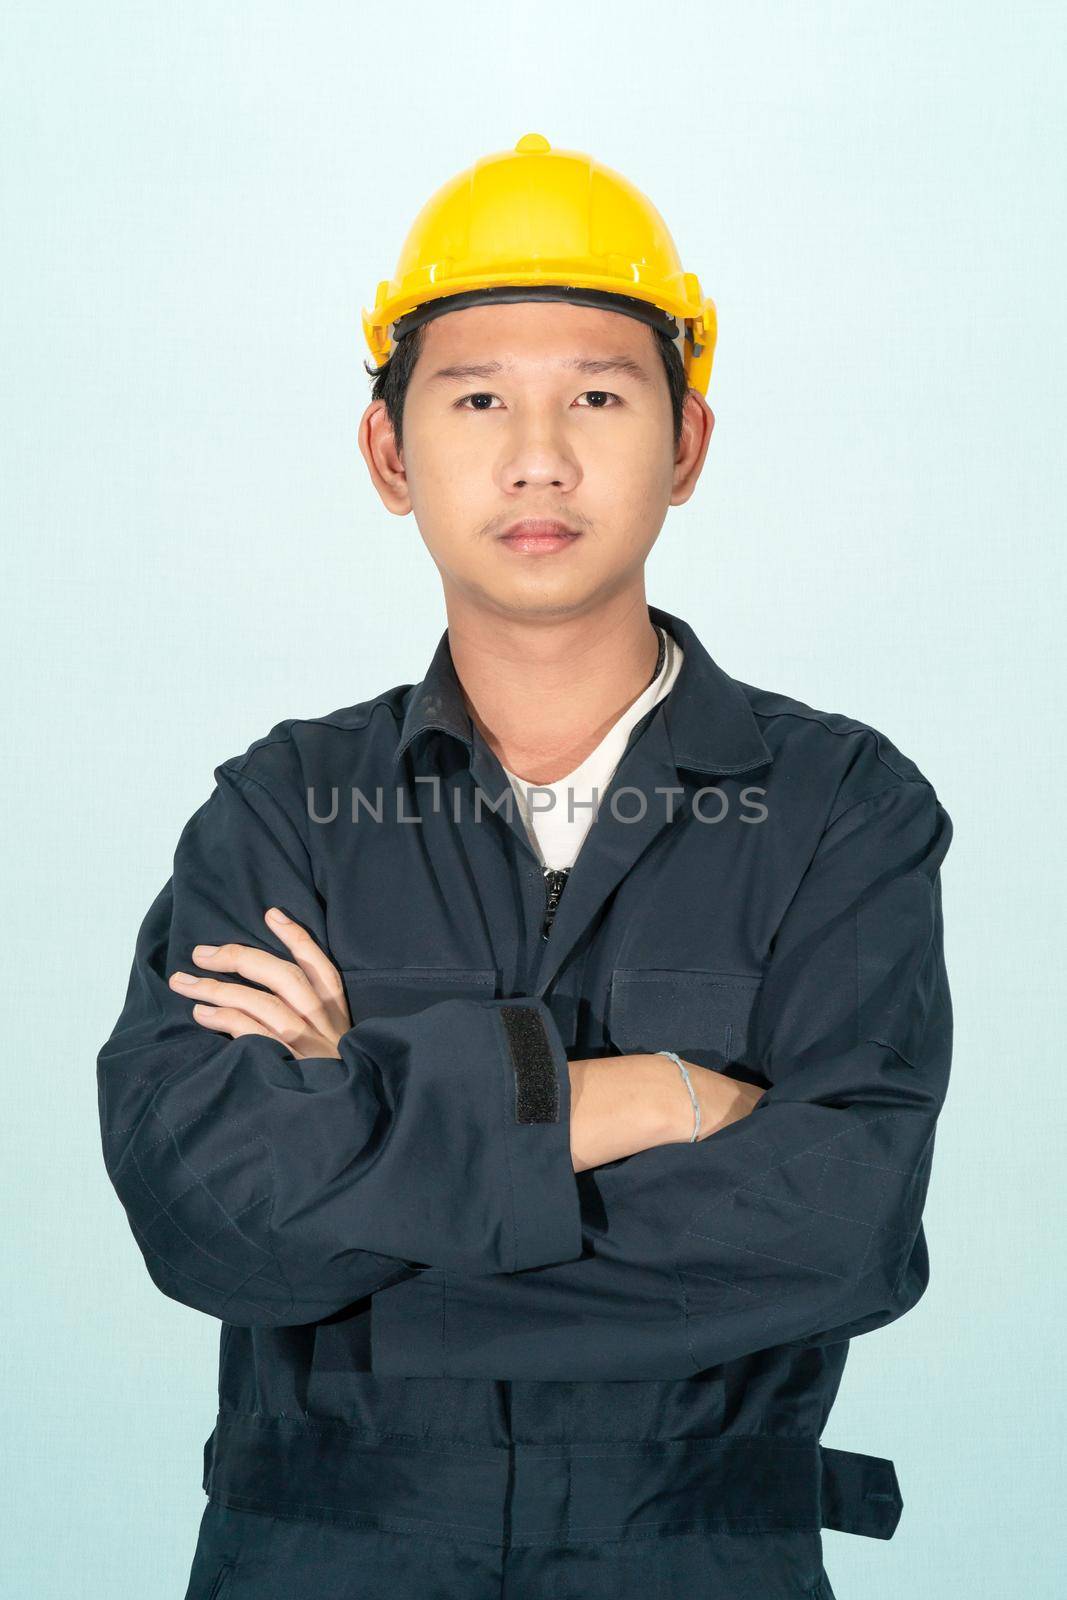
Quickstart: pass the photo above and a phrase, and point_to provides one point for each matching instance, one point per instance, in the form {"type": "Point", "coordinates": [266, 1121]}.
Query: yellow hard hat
{"type": "Point", "coordinates": [536, 223]}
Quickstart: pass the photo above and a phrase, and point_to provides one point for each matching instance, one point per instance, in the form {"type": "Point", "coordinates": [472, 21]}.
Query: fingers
{"type": "Point", "coordinates": [301, 1003]}
{"type": "Point", "coordinates": [314, 963]}
{"type": "Point", "coordinates": [273, 1015]}
{"type": "Point", "coordinates": [304, 1044]}
{"type": "Point", "coordinates": [284, 979]}
{"type": "Point", "coordinates": [224, 1020]}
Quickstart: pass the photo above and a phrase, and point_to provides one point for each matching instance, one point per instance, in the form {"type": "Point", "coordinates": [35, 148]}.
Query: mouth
{"type": "Point", "coordinates": [537, 535]}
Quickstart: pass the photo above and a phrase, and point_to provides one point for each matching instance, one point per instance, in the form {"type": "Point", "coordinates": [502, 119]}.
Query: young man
{"type": "Point", "coordinates": [536, 1068]}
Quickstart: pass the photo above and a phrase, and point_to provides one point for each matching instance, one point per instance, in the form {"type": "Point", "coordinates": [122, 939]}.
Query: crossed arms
{"type": "Point", "coordinates": [619, 1106]}
{"type": "Point", "coordinates": [277, 1164]}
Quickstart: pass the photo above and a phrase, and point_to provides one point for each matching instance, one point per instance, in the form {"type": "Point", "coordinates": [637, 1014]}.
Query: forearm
{"type": "Point", "coordinates": [623, 1104]}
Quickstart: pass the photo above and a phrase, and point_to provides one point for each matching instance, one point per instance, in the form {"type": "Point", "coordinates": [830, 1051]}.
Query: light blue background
{"type": "Point", "coordinates": [197, 199]}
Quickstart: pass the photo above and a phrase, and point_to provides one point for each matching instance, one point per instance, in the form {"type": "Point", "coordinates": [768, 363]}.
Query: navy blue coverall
{"type": "Point", "coordinates": [449, 1365]}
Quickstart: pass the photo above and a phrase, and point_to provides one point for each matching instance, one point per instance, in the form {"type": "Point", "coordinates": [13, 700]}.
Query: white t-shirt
{"type": "Point", "coordinates": [557, 834]}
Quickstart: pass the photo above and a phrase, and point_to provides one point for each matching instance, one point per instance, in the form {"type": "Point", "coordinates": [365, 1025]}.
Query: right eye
{"type": "Point", "coordinates": [479, 396]}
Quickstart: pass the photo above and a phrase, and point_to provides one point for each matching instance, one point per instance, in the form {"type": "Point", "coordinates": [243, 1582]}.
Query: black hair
{"type": "Point", "coordinates": [391, 379]}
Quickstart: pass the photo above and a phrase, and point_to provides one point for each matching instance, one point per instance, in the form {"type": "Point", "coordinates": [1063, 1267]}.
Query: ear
{"type": "Point", "coordinates": [698, 420]}
{"type": "Point", "coordinates": [385, 463]}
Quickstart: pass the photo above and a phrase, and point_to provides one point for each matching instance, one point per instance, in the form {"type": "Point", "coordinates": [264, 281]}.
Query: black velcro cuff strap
{"type": "Point", "coordinates": [545, 1201]}
{"type": "Point", "coordinates": [536, 1083]}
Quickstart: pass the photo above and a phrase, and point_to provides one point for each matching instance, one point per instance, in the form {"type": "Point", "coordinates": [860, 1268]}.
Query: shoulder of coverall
{"type": "Point", "coordinates": [851, 760]}
{"type": "Point", "coordinates": [299, 752]}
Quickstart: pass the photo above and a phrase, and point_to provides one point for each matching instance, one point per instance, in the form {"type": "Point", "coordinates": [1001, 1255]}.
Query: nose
{"type": "Point", "coordinates": [538, 455]}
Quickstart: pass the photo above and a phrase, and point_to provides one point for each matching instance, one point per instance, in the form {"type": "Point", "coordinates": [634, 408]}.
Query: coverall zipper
{"type": "Point", "coordinates": [555, 878]}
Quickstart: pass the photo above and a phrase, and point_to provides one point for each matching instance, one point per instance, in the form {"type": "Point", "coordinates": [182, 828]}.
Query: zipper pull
{"type": "Point", "coordinates": [555, 879]}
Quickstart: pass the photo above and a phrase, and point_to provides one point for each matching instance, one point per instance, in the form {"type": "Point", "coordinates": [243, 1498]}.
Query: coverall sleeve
{"type": "Point", "coordinates": [799, 1224]}
{"type": "Point", "coordinates": [267, 1190]}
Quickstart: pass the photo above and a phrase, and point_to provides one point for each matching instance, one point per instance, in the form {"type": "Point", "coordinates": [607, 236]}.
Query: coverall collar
{"type": "Point", "coordinates": [709, 722]}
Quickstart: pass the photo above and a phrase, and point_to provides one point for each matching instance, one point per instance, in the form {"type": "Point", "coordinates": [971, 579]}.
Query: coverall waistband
{"type": "Point", "coordinates": [546, 1494]}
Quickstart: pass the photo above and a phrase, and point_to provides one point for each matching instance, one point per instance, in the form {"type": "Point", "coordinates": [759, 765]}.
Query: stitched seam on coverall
{"type": "Point", "coordinates": [180, 1272]}
{"type": "Point", "coordinates": [164, 1211]}
{"type": "Point", "coordinates": [820, 1272]}
{"type": "Point", "coordinates": [269, 1249]}
{"type": "Point", "coordinates": [839, 733]}
{"type": "Point", "coordinates": [819, 1145]}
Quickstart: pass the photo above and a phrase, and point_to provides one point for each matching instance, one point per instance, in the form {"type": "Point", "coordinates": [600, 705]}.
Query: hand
{"type": "Point", "coordinates": [306, 1009]}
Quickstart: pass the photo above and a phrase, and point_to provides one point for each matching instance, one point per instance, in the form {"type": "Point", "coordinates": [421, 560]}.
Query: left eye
{"type": "Point", "coordinates": [599, 395]}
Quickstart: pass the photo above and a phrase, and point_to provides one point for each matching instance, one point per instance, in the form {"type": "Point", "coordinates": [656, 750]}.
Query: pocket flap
{"type": "Point", "coordinates": [703, 1016]}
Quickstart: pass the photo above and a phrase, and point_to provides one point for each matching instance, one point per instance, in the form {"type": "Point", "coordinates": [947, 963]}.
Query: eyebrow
{"type": "Point", "coordinates": [590, 366]}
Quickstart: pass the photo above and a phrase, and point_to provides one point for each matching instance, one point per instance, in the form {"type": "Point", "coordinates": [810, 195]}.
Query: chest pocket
{"type": "Point", "coordinates": [398, 991]}
{"type": "Point", "coordinates": [703, 1016]}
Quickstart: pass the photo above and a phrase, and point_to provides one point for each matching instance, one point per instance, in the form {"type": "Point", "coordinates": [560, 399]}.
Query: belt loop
{"type": "Point", "coordinates": [209, 1460]}
{"type": "Point", "coordinates": [860, 1494]}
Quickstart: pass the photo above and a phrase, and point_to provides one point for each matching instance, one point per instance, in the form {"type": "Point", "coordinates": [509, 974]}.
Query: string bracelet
{"type": "Point", "coordinates": [692, 1094]}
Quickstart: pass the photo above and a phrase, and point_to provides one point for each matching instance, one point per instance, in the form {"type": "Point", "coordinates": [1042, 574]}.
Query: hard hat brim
{"type": "Point", "coordinates": [675, 327]}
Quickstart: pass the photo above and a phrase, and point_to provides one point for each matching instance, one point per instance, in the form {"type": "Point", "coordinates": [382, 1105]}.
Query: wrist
{"type": "Point", "coordinates": [719, 1100]}
{"type": "Point", "coordinates": [677, 1115]}
{"type": "Point", "coordinates": [692, 1119]}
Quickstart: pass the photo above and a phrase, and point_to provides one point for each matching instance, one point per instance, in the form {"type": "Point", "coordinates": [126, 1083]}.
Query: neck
{"type": "Point", "coordinates": [544, 691]}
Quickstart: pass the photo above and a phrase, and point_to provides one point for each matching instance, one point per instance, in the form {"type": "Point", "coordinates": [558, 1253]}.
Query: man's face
{"type": "Point", "coordinates": [567, 418]}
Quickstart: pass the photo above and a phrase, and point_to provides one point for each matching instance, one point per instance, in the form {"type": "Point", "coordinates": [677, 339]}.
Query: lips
{"type": "Point", "coordinates": [539, 533]}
